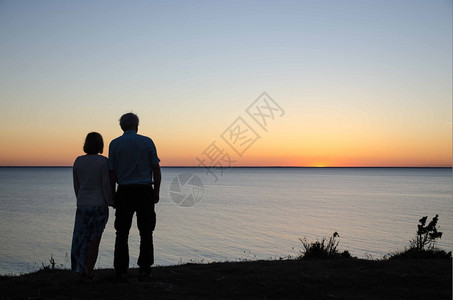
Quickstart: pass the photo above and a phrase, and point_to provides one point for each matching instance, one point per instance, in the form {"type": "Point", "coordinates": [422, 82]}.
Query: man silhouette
{"type": "Point", "coordinates": [134, 166]}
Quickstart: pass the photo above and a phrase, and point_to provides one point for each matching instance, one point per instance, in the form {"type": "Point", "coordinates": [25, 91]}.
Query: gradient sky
{"type": "Point", "coordinates": [362, 83]}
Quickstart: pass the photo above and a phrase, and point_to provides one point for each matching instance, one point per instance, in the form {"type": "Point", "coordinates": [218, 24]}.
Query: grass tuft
{"type": "Point", "coordinates": [322, 249]}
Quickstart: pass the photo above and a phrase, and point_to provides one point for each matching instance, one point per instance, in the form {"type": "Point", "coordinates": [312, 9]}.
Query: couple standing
{"type": "Point", "coordinates": [133, 164]}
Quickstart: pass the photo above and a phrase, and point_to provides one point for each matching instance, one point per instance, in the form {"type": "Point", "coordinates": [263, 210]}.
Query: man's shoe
{"type": "Point", "coordinates": [121, 278]}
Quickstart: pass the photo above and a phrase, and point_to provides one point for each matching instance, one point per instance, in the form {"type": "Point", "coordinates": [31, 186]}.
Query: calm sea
{"type": "Point", "coordinates": [242, 213]}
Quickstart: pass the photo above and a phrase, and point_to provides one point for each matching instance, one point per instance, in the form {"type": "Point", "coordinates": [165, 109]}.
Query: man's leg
{"type": "Point", "coordinates": [146, 222]}
{"type": "Point", "coordinates": [123, 222]}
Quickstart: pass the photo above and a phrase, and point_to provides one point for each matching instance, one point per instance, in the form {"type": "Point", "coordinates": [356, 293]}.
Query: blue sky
{"type": "Point", "coordinates": [189, 68]}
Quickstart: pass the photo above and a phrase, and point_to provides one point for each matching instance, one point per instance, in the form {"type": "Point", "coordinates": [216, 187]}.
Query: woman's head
{"type": "Point", "coordinates": [94, 143]}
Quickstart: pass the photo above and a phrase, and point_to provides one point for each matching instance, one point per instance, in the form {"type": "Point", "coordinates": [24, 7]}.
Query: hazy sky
{"type": "Point", "coordinates": [361, 83]}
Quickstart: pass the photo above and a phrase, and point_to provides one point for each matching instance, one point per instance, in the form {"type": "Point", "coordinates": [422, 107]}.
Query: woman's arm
{"type": "Point", "coordinates": [106, 183]}
{"type": "Point", "coordinates": [75, 179]}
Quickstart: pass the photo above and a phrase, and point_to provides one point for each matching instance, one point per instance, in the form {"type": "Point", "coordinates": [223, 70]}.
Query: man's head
{"type": "Point", "coordinates": [129, 121]}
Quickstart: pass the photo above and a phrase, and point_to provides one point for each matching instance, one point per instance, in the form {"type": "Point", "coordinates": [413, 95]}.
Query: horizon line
{"type": "Point", "coordinates": [250, 167]}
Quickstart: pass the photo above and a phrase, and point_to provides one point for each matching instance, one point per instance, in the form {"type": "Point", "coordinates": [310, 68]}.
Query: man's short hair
{"type": "Point", "coordinates": [94, 143]}
{"type": "Point", "coordinates": [129, 121]}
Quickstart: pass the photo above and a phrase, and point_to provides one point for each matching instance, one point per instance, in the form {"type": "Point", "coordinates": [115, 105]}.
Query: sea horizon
{"type": "Point", "coordinates": [272, 167]}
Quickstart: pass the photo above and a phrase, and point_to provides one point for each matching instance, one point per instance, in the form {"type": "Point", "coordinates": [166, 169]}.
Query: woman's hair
{"type": "Point", "coordinates": [94, 143]}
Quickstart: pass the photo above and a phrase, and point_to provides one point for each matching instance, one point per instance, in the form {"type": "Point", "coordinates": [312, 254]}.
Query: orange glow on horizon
{"type": "Point", "coordinates": [293, 149]}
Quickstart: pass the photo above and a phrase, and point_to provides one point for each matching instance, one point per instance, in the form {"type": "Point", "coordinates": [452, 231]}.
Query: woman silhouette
{"type": "Point", "coordinates": [94, 194]}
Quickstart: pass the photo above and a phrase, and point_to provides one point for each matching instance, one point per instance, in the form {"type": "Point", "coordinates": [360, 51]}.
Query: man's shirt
{"type": "Point", "coordinates": [132, 156]}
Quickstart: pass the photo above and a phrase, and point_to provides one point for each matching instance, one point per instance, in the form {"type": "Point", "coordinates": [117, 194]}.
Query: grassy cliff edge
{"type": "Point", "coordinates": [347, 278]}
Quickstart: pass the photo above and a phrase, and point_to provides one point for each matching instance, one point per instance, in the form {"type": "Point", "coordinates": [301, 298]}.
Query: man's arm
{"type": "Point", "coordinates": [112, 180]}
{"type": "Point", "coordinates": [157, 176]}
{"type": "Point", "coordinates": [112, 173]}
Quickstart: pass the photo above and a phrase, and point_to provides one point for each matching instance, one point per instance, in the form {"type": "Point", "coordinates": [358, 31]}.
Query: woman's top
{"type": "Point", "coordinates": [92, 181]}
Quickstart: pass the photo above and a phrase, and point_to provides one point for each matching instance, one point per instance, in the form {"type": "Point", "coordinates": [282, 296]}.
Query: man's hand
{"type": "Point", "coordinates": [156, 196]}
{"type": "Point", "coordinates": [157, 176]}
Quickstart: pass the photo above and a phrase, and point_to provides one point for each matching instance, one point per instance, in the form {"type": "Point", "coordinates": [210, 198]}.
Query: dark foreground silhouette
{"type": "Point", "coordinates": [301, 279]}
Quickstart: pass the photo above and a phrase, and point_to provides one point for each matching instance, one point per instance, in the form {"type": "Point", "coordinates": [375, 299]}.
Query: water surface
{"type": "Point", "coordinates": [248, 213]}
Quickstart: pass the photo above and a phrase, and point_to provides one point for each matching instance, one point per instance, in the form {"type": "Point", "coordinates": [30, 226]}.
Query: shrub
{"type": "Point", "coordinates": [423, 245]}
{"type": "Point", "coordinates": [426, 235]}
{"type": "Point", "coordinates": [326, 248]}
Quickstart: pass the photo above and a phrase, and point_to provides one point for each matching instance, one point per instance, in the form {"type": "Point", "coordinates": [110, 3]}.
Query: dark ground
{"type": "Point", "coordinates": [321, 279]}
